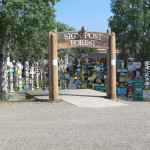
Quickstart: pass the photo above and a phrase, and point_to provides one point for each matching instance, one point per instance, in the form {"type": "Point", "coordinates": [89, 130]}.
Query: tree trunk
{"type": "Point", "coordinates": [3, 75]}
{"type": "Point", "coordinates": [1, 62]}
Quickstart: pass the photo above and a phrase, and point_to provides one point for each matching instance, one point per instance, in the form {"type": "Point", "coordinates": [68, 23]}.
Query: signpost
{"type": "Point", "coordinates": [83, 38]}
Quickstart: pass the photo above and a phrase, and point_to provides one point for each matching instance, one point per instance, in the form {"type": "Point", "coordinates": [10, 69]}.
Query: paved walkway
{"type": "Point", "coordinates": [81, 98]}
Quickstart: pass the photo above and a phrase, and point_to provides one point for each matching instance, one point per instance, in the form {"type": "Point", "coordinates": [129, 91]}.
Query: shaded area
{"type": "Point", "coordinates": [28, 97]}
{"type": "Point", "coordinates": [82, 95]}
{"type": "Point", "coordinates": [44, 95]}
{"type": "Point", "coordinates": [27, 100]}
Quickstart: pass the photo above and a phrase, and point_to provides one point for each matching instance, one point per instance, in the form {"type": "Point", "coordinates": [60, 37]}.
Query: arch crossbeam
{"type": "Point", "coordinates": [89, 39]}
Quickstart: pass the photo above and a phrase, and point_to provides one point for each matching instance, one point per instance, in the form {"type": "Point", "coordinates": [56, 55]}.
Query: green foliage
{"type": "Point", "coordinates": [61, 27]}
{"type": "Point", "coordinates": [85, 50]}
{"type": "Point", "coordinates": [63, 52]}
{"type": "Point", "coordinates": [57, 101]}
{"type": "Point", "coordinates": [24, 26]}
{"type": "Point", "coordinates": [76, 51]}
{"type": "Point", "coordinates": [131, 23]}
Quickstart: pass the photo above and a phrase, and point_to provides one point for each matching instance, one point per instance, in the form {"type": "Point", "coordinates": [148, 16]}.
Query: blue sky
{"type": "Point", "coordinates": [88, 13]}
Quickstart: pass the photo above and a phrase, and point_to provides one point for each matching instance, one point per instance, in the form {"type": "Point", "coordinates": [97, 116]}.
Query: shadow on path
{"type": "Point", "coordinates": [83, 95]}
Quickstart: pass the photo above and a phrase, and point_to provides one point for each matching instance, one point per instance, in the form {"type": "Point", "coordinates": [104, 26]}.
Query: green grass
{"type": "Point", "coordinates": [58, 101]}
{"type": "Point", "coordinates": [146, 100]}
{"type": "Point", "coordinates": [16, 89]}
{"type": "Point", "coordinates": [2, 101]}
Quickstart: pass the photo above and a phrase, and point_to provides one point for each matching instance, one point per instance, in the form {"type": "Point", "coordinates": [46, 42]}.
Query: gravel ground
{"type": "Point", "coordinates": [63, 126]}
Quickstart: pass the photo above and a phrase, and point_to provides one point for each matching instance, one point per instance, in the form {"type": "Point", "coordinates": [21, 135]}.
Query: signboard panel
{"type": "Point", "coordinates": [82, 39]}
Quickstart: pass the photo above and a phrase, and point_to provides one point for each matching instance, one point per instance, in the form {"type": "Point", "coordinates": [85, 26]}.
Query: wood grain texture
{"type": "Point", "coordinates": [82, 39]}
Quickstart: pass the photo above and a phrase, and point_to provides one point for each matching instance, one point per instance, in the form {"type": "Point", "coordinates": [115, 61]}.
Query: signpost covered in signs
{"type": "Point", "coordinates": [83, 38]}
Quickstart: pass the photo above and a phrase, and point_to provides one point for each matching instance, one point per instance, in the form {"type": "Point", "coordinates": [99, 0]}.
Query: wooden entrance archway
{"type": "Point", "coordinates": [81, 38]}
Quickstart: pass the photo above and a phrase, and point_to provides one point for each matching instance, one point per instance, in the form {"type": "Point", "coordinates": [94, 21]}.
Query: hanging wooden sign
{"type": "Point", "coordinates": [82, 39]}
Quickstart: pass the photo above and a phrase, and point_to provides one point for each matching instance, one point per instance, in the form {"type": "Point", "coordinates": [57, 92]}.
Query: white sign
{"type": "Point", "coordinates": [137, 64]}
{"type": "Point", "coordinates": [90, 78]}
{"type": "Point", "coordinates": [105, 76]}
{"type": "Point", "coordinates": [54, 62]}
{"type": "Point", "coordinates": [98, 68]}
{"type": "Point", "coordinates": [113, 62]}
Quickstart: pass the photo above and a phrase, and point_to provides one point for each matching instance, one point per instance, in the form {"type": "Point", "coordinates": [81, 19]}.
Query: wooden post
{"type": "Point", "coordinates": [112, 66]}
{"type": "Point", "coordinates": [53, 65]}
{"type": "Point", "coordinates": [50, 64]}
{"type": "Point", "coordinates": [108, 69]}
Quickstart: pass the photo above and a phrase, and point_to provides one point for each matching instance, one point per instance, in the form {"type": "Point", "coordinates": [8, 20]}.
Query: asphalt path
{"type": "Point", "coordinates": [64, 126]}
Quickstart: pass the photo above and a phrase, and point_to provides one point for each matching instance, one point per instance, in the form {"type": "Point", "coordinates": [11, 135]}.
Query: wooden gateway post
{"type": "Point", "coordinates": [83, 38]}
{"type": "Point", "coordinates": [53, 65]}
{"type": "Point", "coordinates": [111, 67]}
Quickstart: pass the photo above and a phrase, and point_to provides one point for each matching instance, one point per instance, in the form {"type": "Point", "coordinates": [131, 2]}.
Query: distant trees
{"type": "Point", "coordinates": [61, 27]}
{"type": "Point", "coordinates": [24, 27]}
{"type": "Point", "coordinates": [131, 23]}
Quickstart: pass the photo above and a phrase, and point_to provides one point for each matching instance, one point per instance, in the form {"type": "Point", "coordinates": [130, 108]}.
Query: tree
{"type": "Point", "coordinates": [23, 23]}
{"type": "Point", "coordinates": [61, 27]}
{"type": "Point", "coordinates": [131, 23]}
{"type": "Point", "coordinates": [34, 50]}
{"type": "Point", "coordinates": [86, 50]}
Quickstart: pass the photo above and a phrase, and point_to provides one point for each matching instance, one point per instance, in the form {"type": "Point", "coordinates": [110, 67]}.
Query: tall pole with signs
{"type": "Point", "coordinates": [83, 38]}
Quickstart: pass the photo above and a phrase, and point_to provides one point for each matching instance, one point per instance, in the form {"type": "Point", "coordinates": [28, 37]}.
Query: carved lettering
{"type": "Point", "coordinates": [83, 39]}
{"type": "Point", "coordinates": [82, 42]}
{"type": "Point", "coordinates": [94, 36]}
{"type": "Point", "coordinates": [72, 36]}
{"type": "Point", "coordinates": [65, 36]}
